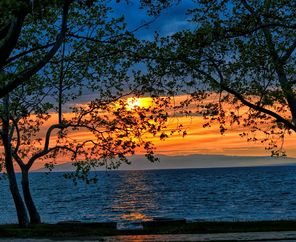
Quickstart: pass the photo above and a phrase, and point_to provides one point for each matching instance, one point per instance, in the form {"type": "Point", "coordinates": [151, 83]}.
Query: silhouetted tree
{"type": "Point", "coordinates": [244, 51]}
{"type": "Point", "coordinates": [111, 130]}
{"type": "Point", "coordinates": [20, 37]}
{"type": "Point", "coordinates": [52, 52]}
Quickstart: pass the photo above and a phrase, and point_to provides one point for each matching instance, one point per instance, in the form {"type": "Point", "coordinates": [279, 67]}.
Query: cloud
{"type": "Point", "coordinates": [173, 26]}
{"type": "Point", "coordinates": [198, 141]}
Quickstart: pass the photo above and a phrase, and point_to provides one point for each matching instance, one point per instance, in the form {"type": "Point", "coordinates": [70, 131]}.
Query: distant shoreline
{"type": "Point", "coordinates": [172, 169]}
{"type": "Point", "coordinates": [197, 161]}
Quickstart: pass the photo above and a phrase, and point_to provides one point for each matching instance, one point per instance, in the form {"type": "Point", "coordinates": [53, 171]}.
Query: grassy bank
{"type": "Point", "coordinates": [97, 229]}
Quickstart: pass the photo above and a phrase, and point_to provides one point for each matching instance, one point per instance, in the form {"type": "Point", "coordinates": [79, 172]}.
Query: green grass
{"type": "Point", "coordinates": [95, 229]}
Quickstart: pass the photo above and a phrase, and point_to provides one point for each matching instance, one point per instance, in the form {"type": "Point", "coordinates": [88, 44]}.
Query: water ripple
{"type": "Point", "coordinates": [261, 193]}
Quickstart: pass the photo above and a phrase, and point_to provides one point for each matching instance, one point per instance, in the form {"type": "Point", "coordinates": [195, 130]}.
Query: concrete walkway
{"type": "Point", "coordinates": [250, 236]}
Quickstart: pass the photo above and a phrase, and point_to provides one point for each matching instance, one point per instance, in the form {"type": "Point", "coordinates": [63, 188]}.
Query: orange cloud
{"type": "Point", "coordinates": [199, 140]}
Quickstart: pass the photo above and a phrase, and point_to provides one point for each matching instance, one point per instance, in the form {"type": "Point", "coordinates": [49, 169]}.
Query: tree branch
{"type": "Point", "coordinates": [111, 37]}
{"type": "Point", "coordinates": [4, 30]}
{"type": "Point", "coordinates": [243, 31]}
{"type": "Point", "coordinates": [18, 160]}
{"type": "Point", "coordinates": [278, 118]}
{"type": "Point", "coordinates": [18, 143]}
{"type": "Point", "coordinates": [288, 53]}
{"type": "Point", "coordinates": [278, 64]}
{"type": "Point", "coordinates": [240, 97]}
{"type": "Point", "coordinates": [249, 8]}
{"type": "Point", "coordinates": [13, 58]}
{"type": "Point", "coordinates": [46, 148]}
{"type": "Point", "coordinates": [279, 68]}
{"type": "Point", "coordinates": [45, 152]}
{"type": "Point", "coordinates": [28, 73]}
{"type": "Point", "coordinates": [13, 33]}
{"type": "Point", "coordinates": [46, 144]}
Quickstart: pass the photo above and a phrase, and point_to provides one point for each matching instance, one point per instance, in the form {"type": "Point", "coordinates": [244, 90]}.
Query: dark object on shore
{"type": "Point", "coordinates": [162, 222]}
{"type": "Point", "coordinates": [75, 223]}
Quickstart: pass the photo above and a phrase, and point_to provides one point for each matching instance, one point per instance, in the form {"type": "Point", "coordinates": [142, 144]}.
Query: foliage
{"type": "Point", "coordinates": [111, 132]}
{"type": "Point", "coordinates": [55, 54]}
{"type": "Point", "coordinates": [241, 56]}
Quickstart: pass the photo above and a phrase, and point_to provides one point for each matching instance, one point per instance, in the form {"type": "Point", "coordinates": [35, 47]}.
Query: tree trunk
{"type": "Point", "coordinates": [19, 204]}
{"type": "Point", "coordinates": [33, 212]}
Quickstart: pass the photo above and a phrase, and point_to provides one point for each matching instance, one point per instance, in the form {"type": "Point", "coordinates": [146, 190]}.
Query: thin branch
{"type": "Point", "coordinates": [242, 32]}
{"type": "Point", "coordinates": [249, 8]}
{"type": "Point", "coordinates": [288, 53]}
{"type": "Point", "coordinates": [13, 58]}
{"type": "Point", "coordinates": [79, 146]}
{"type": "Point", "coordinates": [46, 152]}
{"type": "Point", "coordinates": [13, 33]}
{"type": "Point", "coordinates": [60, 89]}
{"type": "Point", "coordinates": [88, 38]}
{"type": "Point", "coordinates": [278, 64]}
{"type": "Point", "coordinates": [4, 30]}
{"type": "Point", "coordinates": [26, 74]}
{"type": "Point", "coordinates": [279, 68]}
{"type": "Point", "coordinates": [46, 144]}
{"type": "Point", "coordinates": [46, 148]}
{"type": "Point", "coordinates": [110, 37]}
{"type": "Point", "coordinates": [240, 97]}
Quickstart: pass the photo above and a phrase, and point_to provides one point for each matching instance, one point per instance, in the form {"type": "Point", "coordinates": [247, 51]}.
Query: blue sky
{"type": "Point", "coordinates": [170, 20]}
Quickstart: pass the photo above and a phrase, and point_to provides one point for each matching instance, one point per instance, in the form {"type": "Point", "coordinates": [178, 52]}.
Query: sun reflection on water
{"type": "Point", "coordinates": [136, 216]}
{"type": "Point", "coordinates": [134, 198]}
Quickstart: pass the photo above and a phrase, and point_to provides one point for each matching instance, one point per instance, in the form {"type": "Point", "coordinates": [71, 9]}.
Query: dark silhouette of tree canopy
{"type": "Point", "coordinates": [112, 131]}
{"type": "Point", "coordinates": [19, 39]}
{"type": "Point", "coordinates": [32, 33]}
{"type": "Point", "coordinates": [237, 64]}
{"type": "Point", "coordinates": [55, 54]}
{"type": "Point", "coordinates": [244, 51]}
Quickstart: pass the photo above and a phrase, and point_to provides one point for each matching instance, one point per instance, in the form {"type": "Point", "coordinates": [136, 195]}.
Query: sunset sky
{"type": "Point", "coordinates": [199, 140]}
{"type": "Point", "coordinates": [208, 140]}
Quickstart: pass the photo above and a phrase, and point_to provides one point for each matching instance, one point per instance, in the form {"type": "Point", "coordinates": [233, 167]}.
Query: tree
{"type": "Point", "coordinates": [17, 22]}
{"type": "Point", "coordinates": [113, 132]}
{"type": "Point", "coordinates": [242, 50]}
{"type": "Point", "coordinates": [52, 52]}
{"type": "Point", "coordinates": [33, 32]}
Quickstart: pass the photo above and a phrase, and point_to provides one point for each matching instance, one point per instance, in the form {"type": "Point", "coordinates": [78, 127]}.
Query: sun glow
{"type": "Point", "coordinates": [199, 140]}
{"type": "Point", "coordinates": [141, 102]}
{"type": "Point", "coordinates": [133, 103]}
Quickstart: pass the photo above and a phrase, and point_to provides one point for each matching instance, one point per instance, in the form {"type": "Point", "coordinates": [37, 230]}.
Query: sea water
{"type": "Point", "coordinates": [128, 197]}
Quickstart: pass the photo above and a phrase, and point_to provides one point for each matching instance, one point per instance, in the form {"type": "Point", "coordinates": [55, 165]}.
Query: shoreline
{"type": "Point", "coordinates": [62, 231]}
{"type": "Point", "coordinates": [221, 237]}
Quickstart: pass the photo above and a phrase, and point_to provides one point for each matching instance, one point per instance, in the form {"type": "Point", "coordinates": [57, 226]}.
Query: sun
{"type": "Point", "coordinates": [138, 102]}
{"type": "Point", "coordinates": [133, 103]}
